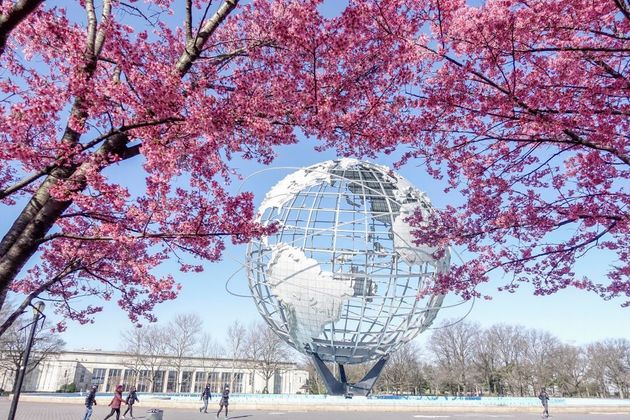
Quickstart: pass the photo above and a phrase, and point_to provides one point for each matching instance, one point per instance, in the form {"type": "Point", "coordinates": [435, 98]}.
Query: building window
{"type": "Point", "coordinates": [186, 381]}
{"type": "Point", "coordinates": [98, 377]}
{"type": "Point", "coordinates": [158, 381]}
{"type": "Point", "coordinates": [129, 379]}
{"type": "Point", "coordinates": [200, 381]}
{"type": "Point", "coordinates": [171, 383]}
{"type": "Point", "coordinates": [143, 381]}
{"type": "Point", "coordinates": [238, 383]}
{"type": "Point", "coordinates": [225, 379]}
{"type": "Point", "coordinates": [215, 383]}
{"type": "Point", "coordinates": [113, 379]}
{"type": "Point", "coordinates": [277, 383]}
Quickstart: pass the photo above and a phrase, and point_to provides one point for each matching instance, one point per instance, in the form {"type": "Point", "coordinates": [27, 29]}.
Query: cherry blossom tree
{"type": "Point", "coordinates": [110, 94]}
{"type": "Point", "coordinates": [526, 113]}
{"type": "Point", "coordinates": [521, 105]}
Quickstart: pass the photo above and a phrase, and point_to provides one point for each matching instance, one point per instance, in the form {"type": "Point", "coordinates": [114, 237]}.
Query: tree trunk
{"type": "Point", "coordinates": [41, 213]}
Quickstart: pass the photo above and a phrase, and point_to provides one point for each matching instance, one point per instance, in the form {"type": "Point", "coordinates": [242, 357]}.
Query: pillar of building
{"type": "Point", "coordinates": [105, 381]}
{"type": "Point", "coordinates": [165, 381]}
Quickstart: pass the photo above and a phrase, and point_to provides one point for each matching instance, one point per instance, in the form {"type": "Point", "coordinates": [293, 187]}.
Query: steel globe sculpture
{"type": "Point", "coordinates": [341, 278]}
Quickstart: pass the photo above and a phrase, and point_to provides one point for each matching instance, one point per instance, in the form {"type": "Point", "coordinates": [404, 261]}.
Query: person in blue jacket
{"type": "Point", "coordinates": [205, 396]}
{"type": "Point", "coordinates": [544, 399]}
{"type": "Point", "coordinates": [132, 397]}
{"type": "Point", "coordinates": [90, 401]}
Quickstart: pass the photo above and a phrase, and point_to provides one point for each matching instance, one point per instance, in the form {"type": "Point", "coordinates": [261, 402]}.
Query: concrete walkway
{"type": "Point", "coordinates": [44, 411]}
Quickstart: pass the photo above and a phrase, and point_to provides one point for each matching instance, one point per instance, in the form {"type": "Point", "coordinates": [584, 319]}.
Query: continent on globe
{"type": "Point", "coordinates": [313, 297]}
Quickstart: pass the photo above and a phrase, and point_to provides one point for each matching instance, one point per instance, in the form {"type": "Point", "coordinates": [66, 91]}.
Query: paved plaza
{"type": "Point", "coordinates": [42, 411]}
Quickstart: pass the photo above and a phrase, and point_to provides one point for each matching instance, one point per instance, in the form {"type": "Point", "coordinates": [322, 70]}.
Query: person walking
{"type": "Point", "coordinates": [90, 401]}
{"type": "Point", "coordinates": [115, 403]}
{"type": "Point", "coordinates": [130, 401]}
{"type": "Point", "coordinates": [225, 401]}
{"type": "Point", "coordinates": [544, 399]}
{"type": "Point", "coordinates": [205, 396]}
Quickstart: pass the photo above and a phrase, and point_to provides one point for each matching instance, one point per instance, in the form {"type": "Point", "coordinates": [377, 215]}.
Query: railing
{"type": "Point", "coordinates": [376, 400]}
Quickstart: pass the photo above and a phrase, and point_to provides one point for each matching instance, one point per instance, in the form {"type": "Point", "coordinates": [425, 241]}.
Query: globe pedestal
{"type": "Point", "coordinates": [341, 386]}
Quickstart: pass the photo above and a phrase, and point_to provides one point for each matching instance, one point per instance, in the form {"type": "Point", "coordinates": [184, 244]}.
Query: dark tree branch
{"type": "Point", "coordinates": [623, 7]}
{"type": "Point", "coordinates": [70, 268]}
{"type": "Point", "coordinates": [9, 21]}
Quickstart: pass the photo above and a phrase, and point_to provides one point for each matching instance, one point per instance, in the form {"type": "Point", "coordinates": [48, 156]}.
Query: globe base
{"type": "Point", "coordinates": [341, 386]}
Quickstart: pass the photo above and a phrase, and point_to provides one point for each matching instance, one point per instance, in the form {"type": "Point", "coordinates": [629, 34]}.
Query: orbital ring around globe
{"type": "Point", "coordinates": [341, 278]}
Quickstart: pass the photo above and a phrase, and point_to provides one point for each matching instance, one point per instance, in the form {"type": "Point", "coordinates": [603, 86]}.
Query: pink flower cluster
{"type": "Point", "coordinates": [522, 105]}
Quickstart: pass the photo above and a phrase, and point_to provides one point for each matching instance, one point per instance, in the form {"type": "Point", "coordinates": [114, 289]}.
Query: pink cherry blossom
{"type": "Point", "coordinates": [521, 106]}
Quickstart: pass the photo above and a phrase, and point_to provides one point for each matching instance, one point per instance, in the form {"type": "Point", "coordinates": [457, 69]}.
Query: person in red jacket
{"type": "Point", "coordinates": [116, 403]}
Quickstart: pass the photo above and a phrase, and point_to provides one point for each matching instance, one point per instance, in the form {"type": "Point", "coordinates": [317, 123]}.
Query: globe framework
{"type": "Point", "coordinates": [342, 276]}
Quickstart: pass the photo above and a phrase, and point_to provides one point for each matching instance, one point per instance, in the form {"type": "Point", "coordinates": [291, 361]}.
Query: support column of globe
{"type": "Point", "coordinates": [341, 278]}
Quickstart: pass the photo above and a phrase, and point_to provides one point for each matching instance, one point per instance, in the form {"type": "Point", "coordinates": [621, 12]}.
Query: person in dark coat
{"type": "Point", "coordinates": [544, 399]}
{"type": "Point", "coordinates": [205, 396]}
{"type": "Point", "coordinates": [115, 403]}
{"type": "Point", "coordinates": [225, 401]}
{"type": "Point", "coordinates": [130, 401]}
{"type": "Point", "coordinates": [90, 401]}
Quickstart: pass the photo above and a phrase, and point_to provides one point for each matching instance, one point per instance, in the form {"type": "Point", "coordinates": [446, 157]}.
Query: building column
{"type": "Point", "coordinates": [165, 384]}
{"type": "Point", "coordinates": [105, 380]}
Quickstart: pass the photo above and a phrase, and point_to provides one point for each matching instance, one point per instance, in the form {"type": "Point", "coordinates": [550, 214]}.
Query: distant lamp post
{"type": "Point", "coordinates": [38, 311]}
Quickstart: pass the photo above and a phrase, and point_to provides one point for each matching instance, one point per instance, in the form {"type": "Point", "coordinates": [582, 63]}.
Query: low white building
{"type": "Point", "coordinates": [157, 374]}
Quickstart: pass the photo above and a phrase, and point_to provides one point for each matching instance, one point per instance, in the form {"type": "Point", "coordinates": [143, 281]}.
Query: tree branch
{"type": "Point", "coordinates": [188, 22]}
{"type": "Point", "coordinates": [623, 7]}
{"type": "Point", "coordinates": [133, 151]}
{"type": "Point", "coordinates": [194, 47]}
{"type": "Point", "coordinates": [162, 235]}
{"type": "Point", "coordinates": [70, 268]}
{"type": "Point", "coordinates": [8, 22]}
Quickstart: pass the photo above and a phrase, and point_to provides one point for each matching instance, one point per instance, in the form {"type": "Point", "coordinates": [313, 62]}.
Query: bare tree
{"type": "Point", "coordinates": [237, 336]}
{"type": "Point", "coordinates": [146, 347]}
{"type": "Point", "coordinates": [486, 361]}
{"type": "Point", "coordinates": [597, 381]}
{"type": "Point", "coordinates": [541, 347]}
{"type": "Point", "coordinates": [181, 338]}
{"type": "Point", "coordinates": [511, 346]}
{"type": "Point", "coordinates": [132, 342]}
{"type": "Point", "coordinates": [453, 348]}
{"type": "Point", "coordinates": [13, 344]}
{"type": "Point", "coordinates": [153, 355]}
{"type": "Point", "coordinates": [402, 373]}
{"type": "Point", "coordinates": [267, 351]}
{"type": "Point", "coordinates": [570, 365]}
{"type": "Point", "coordinates": [610, 366]}
{"type": "Point", "coordinates": [502, 359]}
{"type": "Point", "coordinates": [314, 383]}
{"type": "Point", "coordinates": [209, 350]}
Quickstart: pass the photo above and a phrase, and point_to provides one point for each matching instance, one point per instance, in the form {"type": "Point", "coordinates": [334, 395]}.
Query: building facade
{"type": "Point", "coordinates": [163, 374]}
